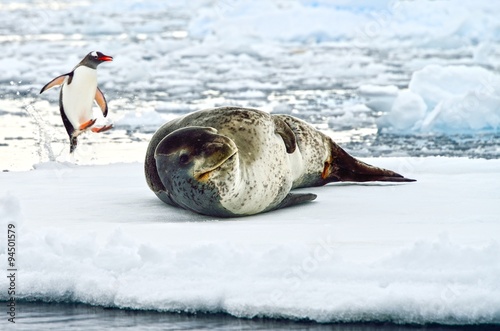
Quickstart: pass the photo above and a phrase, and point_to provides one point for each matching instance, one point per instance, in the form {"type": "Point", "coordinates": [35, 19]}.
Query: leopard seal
{"type": "Point", "coordinates": [233, 161]}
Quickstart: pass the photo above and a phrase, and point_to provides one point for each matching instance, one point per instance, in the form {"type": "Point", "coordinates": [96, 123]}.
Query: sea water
{"type": "Point", "coordinates": [69, 316]}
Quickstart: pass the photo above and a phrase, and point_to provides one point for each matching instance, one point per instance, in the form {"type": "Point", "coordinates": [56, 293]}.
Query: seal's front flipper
{"type": "Point", "coordinates": [295, 199]}
{"type": "Point", "coordinates": [286, 134]}
{"type": "Point", "coordinates": [343, 167]}
{"type": "Point", "coordinates": [165, 197]}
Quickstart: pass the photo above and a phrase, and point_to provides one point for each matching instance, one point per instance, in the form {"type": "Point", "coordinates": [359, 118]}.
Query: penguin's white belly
{"type": "Point", "coordinates": [78, 97]}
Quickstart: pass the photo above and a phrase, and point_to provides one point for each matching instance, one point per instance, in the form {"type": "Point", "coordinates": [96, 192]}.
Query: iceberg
{"type": "Point", "coordinates": [440, 99]}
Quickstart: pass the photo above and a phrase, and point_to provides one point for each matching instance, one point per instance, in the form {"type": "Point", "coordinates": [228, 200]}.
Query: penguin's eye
{"type": "Point", "coordinates": [183, 159]}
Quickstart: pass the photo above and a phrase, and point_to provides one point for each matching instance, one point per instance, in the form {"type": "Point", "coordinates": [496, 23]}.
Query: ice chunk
{"type": "Point", "coordinates": [444, 99]}
{"type": "Point", "coordinates": [436, 83]}
{"type": "Point", "coordinates": [379, 98]}
{"type": "Point", "coordinates": [407, 111]}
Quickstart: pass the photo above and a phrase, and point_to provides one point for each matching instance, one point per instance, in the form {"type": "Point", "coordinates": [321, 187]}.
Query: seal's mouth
{"type": "Point", "coordinates": [204, 175]}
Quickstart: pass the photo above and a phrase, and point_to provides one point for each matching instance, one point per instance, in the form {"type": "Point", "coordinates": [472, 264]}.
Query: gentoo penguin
{"type": "Point", "coordinates": [79, 90]}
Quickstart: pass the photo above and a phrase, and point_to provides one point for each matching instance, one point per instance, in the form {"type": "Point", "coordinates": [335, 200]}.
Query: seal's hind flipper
{"type": "Point", "coordinates": [295, 199]}
{"type": "Point", "coordinates": [345, 168]}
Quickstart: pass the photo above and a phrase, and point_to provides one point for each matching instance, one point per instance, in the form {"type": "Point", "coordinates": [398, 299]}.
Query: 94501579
{"type": "Point", "coordinates": [11, 273]}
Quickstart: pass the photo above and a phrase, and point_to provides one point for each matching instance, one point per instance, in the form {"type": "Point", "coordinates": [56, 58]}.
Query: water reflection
{"type": "Point", "coordinates": [61, 316]}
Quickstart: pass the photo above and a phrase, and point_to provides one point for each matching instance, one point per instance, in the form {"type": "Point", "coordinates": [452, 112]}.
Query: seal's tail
{"type": "Point", "coordinates": [343, 167]}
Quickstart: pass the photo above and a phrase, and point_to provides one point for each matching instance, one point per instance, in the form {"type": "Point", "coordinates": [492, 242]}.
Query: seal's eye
{"type": "Point", "coordinates": [183, 159]}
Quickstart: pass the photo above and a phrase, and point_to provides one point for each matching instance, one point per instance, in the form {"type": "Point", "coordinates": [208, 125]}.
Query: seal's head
{"type": "Point", "coordinates": [197, 165]}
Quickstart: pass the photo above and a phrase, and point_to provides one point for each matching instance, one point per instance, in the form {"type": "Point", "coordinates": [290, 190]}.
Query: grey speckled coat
{"type": "Point", "coordinates": [273, 154]}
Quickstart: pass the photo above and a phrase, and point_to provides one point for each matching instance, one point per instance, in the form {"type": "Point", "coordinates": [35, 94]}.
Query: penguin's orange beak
{"type": "Point", "coordinates": [105, 58]}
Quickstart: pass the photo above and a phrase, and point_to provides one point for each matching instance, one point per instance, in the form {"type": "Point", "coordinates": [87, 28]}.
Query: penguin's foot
{"type": "Point", "coordinates": [102, 128]}
{"type": "Point", "coordinates": [87, 124]}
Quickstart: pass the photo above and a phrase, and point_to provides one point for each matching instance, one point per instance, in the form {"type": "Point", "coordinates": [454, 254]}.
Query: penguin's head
{"type": "Point", "coordinates": [94, 58]}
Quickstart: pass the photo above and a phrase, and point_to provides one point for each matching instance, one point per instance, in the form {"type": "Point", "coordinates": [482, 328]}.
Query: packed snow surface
{"type": "Point", "coordinates": [421, 252]}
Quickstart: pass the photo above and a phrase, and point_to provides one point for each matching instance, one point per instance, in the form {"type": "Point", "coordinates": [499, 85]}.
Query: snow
{"type": "Point", "coordinates": [444, 99]}
{"type": "Point", "coordinates": [425, 252]}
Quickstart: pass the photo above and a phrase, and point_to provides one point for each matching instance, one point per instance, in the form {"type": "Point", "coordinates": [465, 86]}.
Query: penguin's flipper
{"type": "Point", "coordinates": [101, 101]}
{"type": "Point", "coordinates": [59, 80]}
